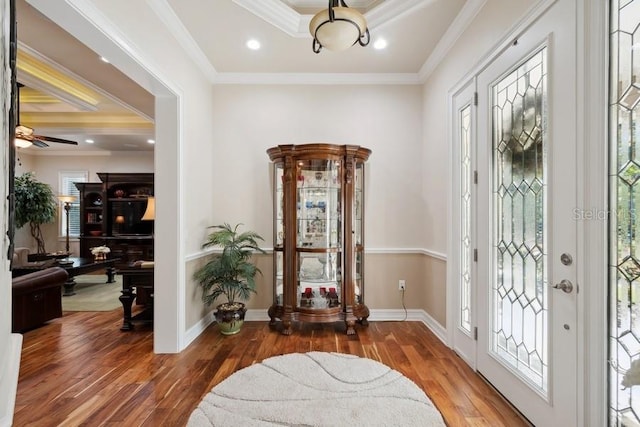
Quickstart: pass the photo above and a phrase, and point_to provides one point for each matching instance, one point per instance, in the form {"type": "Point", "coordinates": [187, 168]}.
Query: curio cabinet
{"type": "Point", "coordinates": [318, 234]}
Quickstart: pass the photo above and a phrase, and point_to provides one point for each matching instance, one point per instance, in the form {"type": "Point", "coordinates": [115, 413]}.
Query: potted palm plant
{"type": "Point", "coordinates": [230, 274]}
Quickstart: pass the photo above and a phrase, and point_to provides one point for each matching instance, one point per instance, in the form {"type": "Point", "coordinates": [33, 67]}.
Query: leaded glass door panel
{"type": "Point", "coordinates": [624, 194]}
{"type": "Point", "coordinates": [526, 220]}
{"type": "Point", "coordinates": [463, 208]}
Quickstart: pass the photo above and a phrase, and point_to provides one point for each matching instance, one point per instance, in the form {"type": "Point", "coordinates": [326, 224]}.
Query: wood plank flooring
{"type": "Point", "coordinates": [81, 370]}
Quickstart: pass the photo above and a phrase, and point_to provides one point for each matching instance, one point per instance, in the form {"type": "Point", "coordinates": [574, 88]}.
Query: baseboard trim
{"type": "Point", "coordinates": [413, 315]}
{"type": "Point", "coordinates": [195, 331]}
{"type": "Point", "coordinates": [377, 315]}
{"type": "Point", "coordinates": [9, 380]}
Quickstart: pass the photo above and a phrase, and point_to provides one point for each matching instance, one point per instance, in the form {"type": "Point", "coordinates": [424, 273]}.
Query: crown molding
{"type": "Point", "coordinates": [389, 11]}
{"type": "Point", "coordinates": [45, 86]}
{"type": "Point", "coordinates": [318, 78]}
{"type": "Point", "coordinates": [85, 120]}
{"type": "Point", "coordinates": [288, 20]}
{"type": "Point", "coordinates": [30, 95]}
{"type": "Point", "coordinates": [61, 153]}
{"type": "Point", "coordinates": [464, 18]}
{"type": "Point", "coordinates": [182, 35]}
{"type": "Point", "coordinates": [79, 129]}
{"type": "Point", "coordinates": [42, 74]}
{"type": "Point", "coordinates": [278, 14]}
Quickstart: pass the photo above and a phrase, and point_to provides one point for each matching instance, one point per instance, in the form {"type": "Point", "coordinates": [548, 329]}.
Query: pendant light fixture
{"type": "Point", "coordinates": [338, 27]}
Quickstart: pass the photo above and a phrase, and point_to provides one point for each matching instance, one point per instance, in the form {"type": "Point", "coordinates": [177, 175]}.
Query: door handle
{"type": "Point", "coordinates": [564, 285]}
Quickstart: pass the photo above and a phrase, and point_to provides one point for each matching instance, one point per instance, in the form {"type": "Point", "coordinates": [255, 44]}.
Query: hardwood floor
{"type": "Point", "coordinates": [82, 370]}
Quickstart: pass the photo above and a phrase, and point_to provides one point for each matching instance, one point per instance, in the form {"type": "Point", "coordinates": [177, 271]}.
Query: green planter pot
{"type": "Point", "coordinates": [230, 319]}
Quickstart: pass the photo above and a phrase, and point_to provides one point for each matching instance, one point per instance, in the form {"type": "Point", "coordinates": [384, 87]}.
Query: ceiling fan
{"type": "Point", "coordinates": [26, 138]}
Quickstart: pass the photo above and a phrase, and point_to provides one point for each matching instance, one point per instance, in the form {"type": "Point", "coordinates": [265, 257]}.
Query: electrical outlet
{"type": "Point", "coordinates": [402, 285]}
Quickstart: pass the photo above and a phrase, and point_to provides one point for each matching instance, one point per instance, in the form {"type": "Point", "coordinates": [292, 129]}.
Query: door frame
{"type": "Point", "coordinates": [85, 21]}
{"type": "Point", "coordinates": [592, 170]}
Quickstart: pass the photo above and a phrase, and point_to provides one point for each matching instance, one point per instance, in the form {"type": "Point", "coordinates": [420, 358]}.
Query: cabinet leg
{"type": "Point", "coordinates": [274, 312]}
{"type": "Point", "coordinates": [286, 327]}
{"type": "Point", "coordinates": [69, 287]}
{"type": "Point", "coordinates": [272, 318]}
{"type": "Point", "coordinates": [361, 312]}
{"type": "Point", "coordinates": [351, 323]}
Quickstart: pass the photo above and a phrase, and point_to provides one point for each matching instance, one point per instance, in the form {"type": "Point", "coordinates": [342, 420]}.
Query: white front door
{"type": "Point", "coordinates": [526, 220]}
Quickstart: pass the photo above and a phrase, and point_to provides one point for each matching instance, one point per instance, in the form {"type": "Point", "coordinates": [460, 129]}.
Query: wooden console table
{"type": "Point", "coordinates": [136, 277]}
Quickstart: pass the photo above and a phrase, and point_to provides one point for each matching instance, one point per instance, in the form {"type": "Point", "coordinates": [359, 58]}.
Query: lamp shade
{"type": "Point", "coordinates": [347, 27]}
{"type": "Point", "coordinates": [119, 219]}
{"type": "Point", "coordinates": [67, 199]}
{"type": "Point", "coordinates": [150, 212]}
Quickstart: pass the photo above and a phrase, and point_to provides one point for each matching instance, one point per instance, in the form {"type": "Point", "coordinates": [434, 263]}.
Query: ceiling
{"type": "Point", "coordinates": [70, 93]}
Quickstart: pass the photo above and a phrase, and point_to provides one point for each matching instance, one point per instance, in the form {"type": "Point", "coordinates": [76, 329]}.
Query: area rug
{"type": "Point", "coordinates": [316, 389]}
{"type": "Point", "coordinates": [93, 293]}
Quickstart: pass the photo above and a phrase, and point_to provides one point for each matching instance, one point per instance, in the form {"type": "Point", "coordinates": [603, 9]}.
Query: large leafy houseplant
{"type": "Point", "coordinates": [230, 274]}
{"type": "Point", "coordinates": [35, 204]}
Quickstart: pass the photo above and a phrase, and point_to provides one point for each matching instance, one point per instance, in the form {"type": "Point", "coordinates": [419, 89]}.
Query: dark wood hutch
{"type": "Point", "coordinates": [318, 234]}
{"type": "Point", "coordinates": [111, 215]}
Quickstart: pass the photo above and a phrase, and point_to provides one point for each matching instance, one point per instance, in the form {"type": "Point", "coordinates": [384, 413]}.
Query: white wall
{"type": "Point", "coordinates": [489, 26]}
{"type": "Point", "coordinates": [10, 344]}
{"type": "Point", "coordinates": [46, 169]}
{"type": "Point", "coordinates": [249, 119]}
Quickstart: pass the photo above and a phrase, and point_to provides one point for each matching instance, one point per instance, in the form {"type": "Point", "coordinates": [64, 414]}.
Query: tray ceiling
{"type": "Point", "coordinates": [418, 33]}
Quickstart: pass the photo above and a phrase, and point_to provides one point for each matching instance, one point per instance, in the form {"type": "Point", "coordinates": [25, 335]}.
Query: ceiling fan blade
{"type": "Point", "coordinates": [52, 139]}
{"type": "Point", "coordinates": [39, 143]}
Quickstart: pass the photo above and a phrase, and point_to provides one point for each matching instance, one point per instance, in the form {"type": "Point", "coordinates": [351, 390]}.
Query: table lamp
{"type": "Point", "coordinates": [150, 212]}
{"type": "Point", "coordinates": [119, 221]}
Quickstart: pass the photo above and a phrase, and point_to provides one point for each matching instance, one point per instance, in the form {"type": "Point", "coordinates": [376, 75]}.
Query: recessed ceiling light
{"type": "Point", "coordinates": [253, 44]}
{"type": "Point", "coordinates": [151, 141]}
{"type": "Point", "coordinates": [380, 44]}
{"type": "Point", "coordinates": [103, 59]}
{"type": "Point", "coordinates": [89, 141]}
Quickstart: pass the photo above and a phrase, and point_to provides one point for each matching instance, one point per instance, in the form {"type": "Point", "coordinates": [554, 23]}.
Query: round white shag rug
{"type": "Point", "coordinates": [316, 389]}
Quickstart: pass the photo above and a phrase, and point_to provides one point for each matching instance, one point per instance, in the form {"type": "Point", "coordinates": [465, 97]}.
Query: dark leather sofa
{"type": "Point", "coordinates": [37, 298]}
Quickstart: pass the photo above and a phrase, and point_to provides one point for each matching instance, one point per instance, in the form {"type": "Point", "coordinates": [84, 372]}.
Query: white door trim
{"type": "Point", "coordinates": [87, 23]}
{"type": "Point", "coordinates": [592, 154]}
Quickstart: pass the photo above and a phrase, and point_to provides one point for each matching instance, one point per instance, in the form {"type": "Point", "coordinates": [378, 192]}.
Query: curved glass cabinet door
{"type": "Point", "coordinates": [358, 229]}
{"type": "Point", "coordinates": [319, 233]}
{"type": "Point", "coordinates": [278, 232]}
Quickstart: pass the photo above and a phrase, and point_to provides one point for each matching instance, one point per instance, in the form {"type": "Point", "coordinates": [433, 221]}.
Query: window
{"type": "Point", "coordinates": [67, 188]}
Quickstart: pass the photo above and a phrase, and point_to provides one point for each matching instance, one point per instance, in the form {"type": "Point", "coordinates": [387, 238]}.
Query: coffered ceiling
{"type": "Point", "coordinates": [71, 94]}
